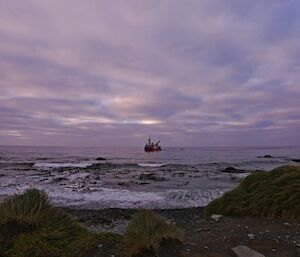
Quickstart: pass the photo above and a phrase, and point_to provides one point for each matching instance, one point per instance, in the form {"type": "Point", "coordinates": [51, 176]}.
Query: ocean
{"type": "Point", "coordinates": [122, 177]}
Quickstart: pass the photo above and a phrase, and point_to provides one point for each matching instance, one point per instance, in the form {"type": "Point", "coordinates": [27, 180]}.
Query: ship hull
{"type": "Point", "coordinates": [152, 149]}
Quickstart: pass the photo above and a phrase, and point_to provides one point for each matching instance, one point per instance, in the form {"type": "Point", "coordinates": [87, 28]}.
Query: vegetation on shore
{"type": "Point", "coordinates": [30, 226]}
{"type": "Point", "coordinates": [274, 194]}
{"type": "Point", "coordinates": [148, 235]}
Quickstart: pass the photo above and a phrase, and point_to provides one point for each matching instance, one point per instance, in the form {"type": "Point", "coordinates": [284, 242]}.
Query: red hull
{"type": "Point", "coordinates": [152, 148]}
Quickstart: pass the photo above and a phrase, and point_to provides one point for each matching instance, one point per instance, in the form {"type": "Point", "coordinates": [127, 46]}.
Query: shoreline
{"type": "Point", "coordinates": [116, 219]}
{"type": "Point", "coordinates": [273, 238]}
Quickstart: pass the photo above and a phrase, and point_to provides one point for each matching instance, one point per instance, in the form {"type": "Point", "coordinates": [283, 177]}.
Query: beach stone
{"type": "Point", "coordinates": [244, 251]}
{"type": "Point", "coordinates": [216, 217]}
{"type": "Point", "coordinates": [251, 236]}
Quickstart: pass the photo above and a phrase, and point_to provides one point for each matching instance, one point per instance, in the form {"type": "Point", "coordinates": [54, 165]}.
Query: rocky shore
{"type": "Point", "coordinates": [259, 218]}
{"type": "Point", "coordinates": [205, 238]}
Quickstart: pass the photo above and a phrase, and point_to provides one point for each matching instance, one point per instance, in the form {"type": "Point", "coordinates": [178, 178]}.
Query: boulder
{"type": "Point", "coordinates": [265, 156]}
{"type": "Point", "coordinates": [244, 251]}
{"type": "Point", "coordinates": [100, 159]}
{"type": "Point", "coordinates": [268, 156]}
{"type": "Point", "coordinates": [232, 170]}
{"type": "Point", "coordinates": [296, 160]}
{"type": "Point", "coordinates": [216, 217]}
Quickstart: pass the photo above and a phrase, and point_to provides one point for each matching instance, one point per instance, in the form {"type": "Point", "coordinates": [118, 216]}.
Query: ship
{"type": "Point", "coordinates": [152, 147]}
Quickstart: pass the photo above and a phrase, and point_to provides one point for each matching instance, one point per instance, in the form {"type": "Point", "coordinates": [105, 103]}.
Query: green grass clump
{"type": "Point", "coordinates": [30, 226]}
{"type": "Point", "coordinates": [25, 207]}
{"type": "Point", "coordinates": [274, 194]}
{"type": "Point", "coordinates": [145, 234]}
{"type": "Point", "coordinates": [30, 245]}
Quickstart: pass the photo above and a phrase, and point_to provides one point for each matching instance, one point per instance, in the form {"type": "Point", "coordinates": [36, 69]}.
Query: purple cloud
{"type": "Point", "coordinates": [189, 72]}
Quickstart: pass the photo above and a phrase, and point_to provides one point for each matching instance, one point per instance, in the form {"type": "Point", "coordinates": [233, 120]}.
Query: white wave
{"type": "Point", "coordinates": [192, 198]}
{"type": "Point", "coordinates": [106, 198]}
{"type": "Point", "coordinates": [101, 198]}
{"type": "Point", "coordinates": [153, 165]}
{"type": "Point", "coordinates": [119, 198]}
{"type": "Point", "coordinates": [83, 164]}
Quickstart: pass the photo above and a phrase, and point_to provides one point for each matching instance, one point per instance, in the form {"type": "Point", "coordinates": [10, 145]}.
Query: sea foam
{"type": "Point", "coordinates": [83, 164]}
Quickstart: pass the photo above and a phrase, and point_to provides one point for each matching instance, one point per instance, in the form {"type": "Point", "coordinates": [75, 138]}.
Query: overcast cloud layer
{"type": "Point", "coordinates": [202, 72]}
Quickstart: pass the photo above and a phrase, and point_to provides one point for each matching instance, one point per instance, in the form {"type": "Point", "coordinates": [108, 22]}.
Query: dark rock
{"type": "Point", "coordinates": [295, 160]}
{"type": "Point", "coordinates": [232, 170]}
{"type": "Point", "coordinates": [42, 159]}
{"type": "Point", "coordinates": [57, 180]}
{"type": "Point", "coordinates": [178, 174]}
{"type": "Point", "coordinates": [268, 156]}
{"type": "Point", "coordinates": [265, 156]}
{"type": "Point", "coordinates": [100, 159]}
{"type": "Point", "coordinates": [151, 177]}
{"type": "Point", "coordinates": [123, 184]}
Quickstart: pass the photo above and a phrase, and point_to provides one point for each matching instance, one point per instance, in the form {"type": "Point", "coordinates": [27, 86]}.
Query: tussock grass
{"type": "Point", "coordinates": [274, 194]}
{"type": "Point", "coordinates": [29, 225]}
{"type": "Point", "coordinates": [145, 234]}
{"type": "Point", "coordinates": [25, 207]}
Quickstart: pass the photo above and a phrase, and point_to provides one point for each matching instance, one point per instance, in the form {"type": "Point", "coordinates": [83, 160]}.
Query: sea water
{"type": "Point", "coordinates": [176, 177]}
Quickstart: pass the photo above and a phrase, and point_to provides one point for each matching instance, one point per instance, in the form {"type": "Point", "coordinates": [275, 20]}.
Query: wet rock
{"type": "Point", "coordinates": [268, 156]}
{"type": "Point", "coordinates": [57, 180]}
{"type": "Point", "coordinates": [144, 183]}
{"type": "Point", "coordinates": [244, 251]}
{"type": "Point", "coordinates": [100, 159]}
{"type": "Point", "coordinates": [123, 184]}
{"type": "Point", "coordinates": [265, 156]}
{"type": "Point", "coordinates": [216, 217]}
{"type": "Point", "coordinates": [232, 170]}
{"type": "Point", "coordinates": [295, 160]}
{"type": "Point", "coordinates": [178, 174]}
{"type": "Point", "coordinates": [151, 177]}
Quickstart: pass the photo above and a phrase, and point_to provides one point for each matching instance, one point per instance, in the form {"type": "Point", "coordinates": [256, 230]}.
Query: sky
{"type": "Point", "coordinates": [113, 73]}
